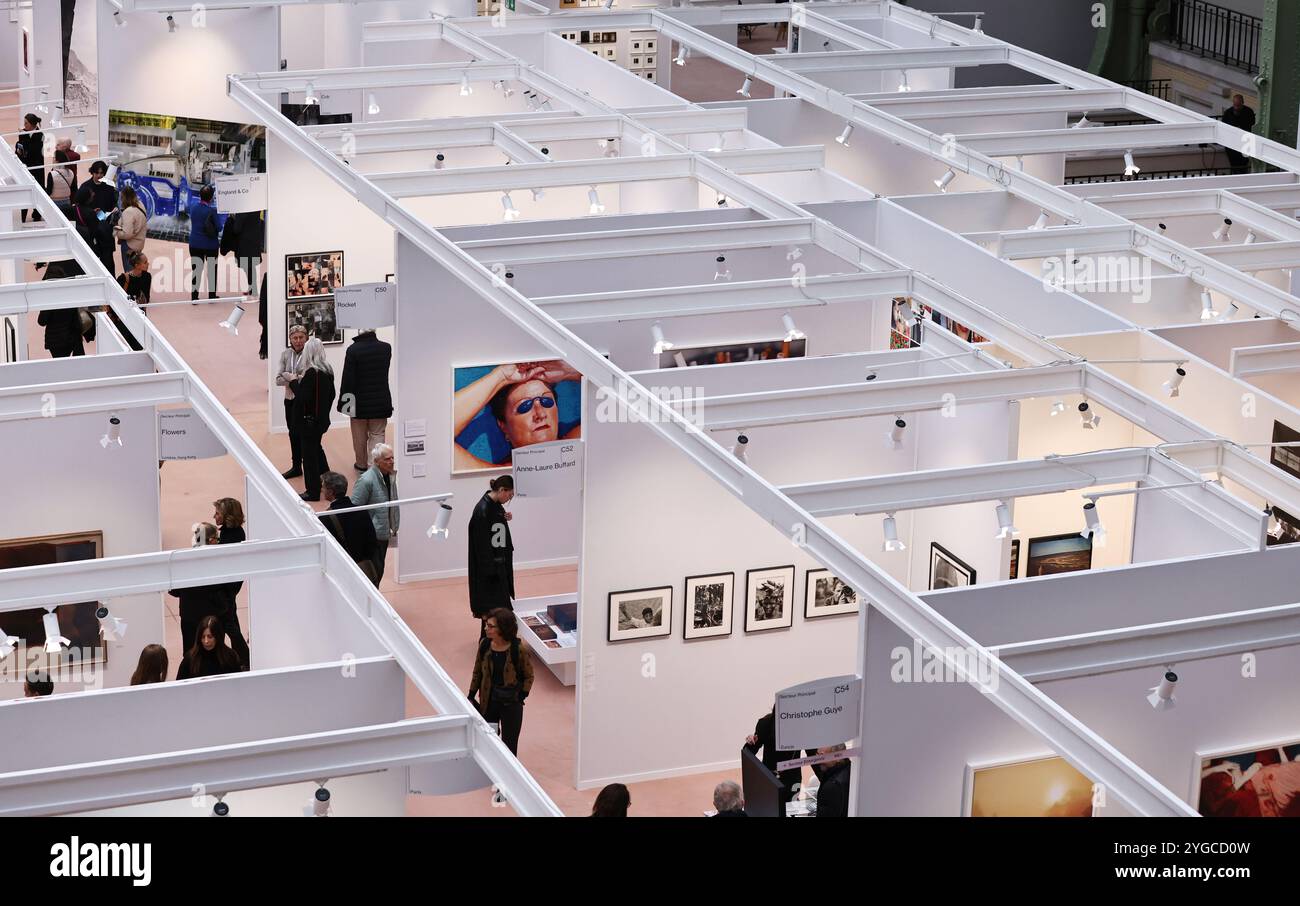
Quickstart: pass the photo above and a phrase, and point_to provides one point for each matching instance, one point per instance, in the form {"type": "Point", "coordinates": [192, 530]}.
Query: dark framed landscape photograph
{"type": "Point", "coordinates": [709, 605]}
{"type": "Point", "coordinates": [1051, 554]}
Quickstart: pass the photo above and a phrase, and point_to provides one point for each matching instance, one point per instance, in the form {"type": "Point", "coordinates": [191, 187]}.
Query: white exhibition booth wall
{"type": "Point", "coordinates": [321, 35]}
{"type": "Point", "coordinates": [114, 491]}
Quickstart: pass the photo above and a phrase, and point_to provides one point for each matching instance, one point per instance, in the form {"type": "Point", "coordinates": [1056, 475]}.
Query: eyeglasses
{"type": "Point", "coordinates": [548, 402]}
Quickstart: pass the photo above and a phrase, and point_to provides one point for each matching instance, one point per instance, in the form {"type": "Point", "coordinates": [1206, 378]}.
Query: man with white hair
{"type": "Point", "coordinates": [290, 369]}
{"type": "Point", "coordinates": [378, 484]}
{"type": "Point", "coordinates": [728, 800]}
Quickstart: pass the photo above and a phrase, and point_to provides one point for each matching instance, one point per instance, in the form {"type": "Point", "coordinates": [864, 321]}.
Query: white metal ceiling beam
{"type": "Point", "coordinates": [1274, 358]}
{"type": "Point", "coordinates": [16, 197]}
{"type": "Point", "coordinates": [468, 180]}
{"type": "Point", "coordinates": [1211, 502]}
{"type": "Point", "coordinates": [1138, 408]}
{"type": "Point", "coordinates": [237, 766]}
{"type": "Point", "coordinates": [74, 368]}
{"type": "Point", "coordinates": [46, 243]}
{"type": "Point", "coordinates": [811, 20]}
{"type": "Point", "coordinates": [1258, 256]}
{"type": "Point", "coordinates": [92, 395]}
{"type": "Point", "coordinates": [955, 104]}
{"type": "Point", "coordinates": [968, 484]}
{"type": "Point", "coordinates": [682, 122]}
{"type": "Point", "coordinates": [771, 160]}
{"type": "Point", "coordinates": [980, 320]}
{"type": "Point", "coordinates": [115, 577]}
{"type": "Point", "coordinates": [667, 240]}
{"type": "Point", "coordinates": [902, 58]}
{"type": "Point", "coordinates": [1107, 138]}
{"type": "Point", "coordinates": [722, 298]}
{"type": "Point", "coordinates": [885, 397]}
{"type": "Point", "coordinates": [73, 292]}
{"type": "Point", "coordinates": [1285, 198]}
{"type": "Point", "coordinates": [515, 147]}
{"type": "Point", "coordinates": [1017, 244]}
{"type": "Point", "coordinates": [368, 77]}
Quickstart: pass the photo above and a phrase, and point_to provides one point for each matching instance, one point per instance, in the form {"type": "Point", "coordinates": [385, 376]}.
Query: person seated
{"type": "Point", "coordinates": [833, 794]}
{"type": "Point", "coordinates": [727, 799]}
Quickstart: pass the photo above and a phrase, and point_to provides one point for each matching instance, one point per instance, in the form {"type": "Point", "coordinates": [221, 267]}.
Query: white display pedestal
{"type": "Point", "coordinates": [563, 662]}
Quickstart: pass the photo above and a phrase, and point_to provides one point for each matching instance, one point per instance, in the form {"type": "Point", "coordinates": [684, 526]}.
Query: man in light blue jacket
{"type": "Point", "coordinates": [378, 484]}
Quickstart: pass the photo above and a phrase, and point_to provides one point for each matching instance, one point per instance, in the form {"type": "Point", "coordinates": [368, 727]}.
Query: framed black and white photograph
{"type": "Point", "coordinates": [313, 274]}
{"type": "Point", "coordinates": [709, 601]}
{"type": "Point", "coordinates": [769, 598]}
{"type": "Point", "coordinates": [316, 316]}
{"type": "Point", "coordinates": [826, 596]}
{"type": "Point", "coordinates": [643, 613]}
{"type": "Point", "coordinates": [947, 570]}
{"type": "Point", "coordinates": [1014, 568]}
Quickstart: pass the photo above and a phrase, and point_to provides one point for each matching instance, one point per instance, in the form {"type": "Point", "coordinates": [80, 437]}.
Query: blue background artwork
{"type": "Point", "coordinates": [482, 437]}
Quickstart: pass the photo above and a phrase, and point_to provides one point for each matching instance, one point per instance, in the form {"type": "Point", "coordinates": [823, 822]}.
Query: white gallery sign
{"type": "Point", "coordinates": [366, 305]}
{"type": "Point", "coordinates": [823, 712]}
{"type": "Point", "coordinates": [183, 435]}
{"type": "Point", "coordinates": [549, 469]}
{"type": "Point", "coordinates": [242, 193]}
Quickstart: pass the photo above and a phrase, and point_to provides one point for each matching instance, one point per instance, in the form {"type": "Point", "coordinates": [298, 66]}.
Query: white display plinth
{"type": "Point", "coordinates": [563, 662]}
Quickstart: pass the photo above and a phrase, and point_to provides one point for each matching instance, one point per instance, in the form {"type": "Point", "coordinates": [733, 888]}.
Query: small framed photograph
{"type": "Point", "coordinates": [709, 603]}
{"type": "Point", "coordinates": [1248, 781]}
{"type": "Point", "coordinates": [1041, 787]}
{"type": "Point", "coordinates": [826, 596]}
{"type": "Point", "coordinates": [643, 613]}
{"type": "Point", "coordinates": [769, 598]}
{"type": "Point", "coordinates": [947, 570]}
{"type": "Point", "coordinates": [1014, 567]}
{"type": "Point", "coordinates": [316, 316]}
{"type": "Point", "coordinates": [313, 274]}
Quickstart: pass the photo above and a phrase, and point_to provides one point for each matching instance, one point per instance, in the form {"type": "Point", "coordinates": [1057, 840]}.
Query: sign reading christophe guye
{"type": "Point", "coordinates": [549, 469]}
{"type": "Point", "coordinates": [241, 194]}
{"type": "Point", "coordinates": [823, 712]}
{"type": "Point", "coordinates": [183, 435]}
{"type": "Point", "coordinates": [366, 305]}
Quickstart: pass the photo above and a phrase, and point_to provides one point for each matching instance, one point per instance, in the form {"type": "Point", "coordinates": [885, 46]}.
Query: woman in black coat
{"type": "Point", "coordinates": [30, 148]}
{"type": "Point", "coordinates": [491, 552]}
{"type": "Point", "coordinates": [313, 395]}
{"type": "Point", "coordinates": [63, 327]}
{"type": "Point", "coordinates": [209, 654]}
{"type": "Point", "coordinates": [364, 394]}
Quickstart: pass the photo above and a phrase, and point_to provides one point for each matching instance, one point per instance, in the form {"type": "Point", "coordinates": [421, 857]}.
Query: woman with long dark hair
{"type": "Point", "coordinates": [152, 667]}
{"type": "Point", "coordinates": [228, 516]}
{"type": "Point", "coordinates": [491, 550]}
{"type": "Point", "coordinates": [209, 655]}
{"type": "Point", "coordinates": [132, 224]}
{"type": "Point", "coordinates": [612, 802]}
{"type": "Point", "coordinates": [503, 676]}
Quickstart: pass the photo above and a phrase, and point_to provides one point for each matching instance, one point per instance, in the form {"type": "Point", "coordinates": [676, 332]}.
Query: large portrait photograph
{"type": "Point", "coordinates": [826, 596]}
{"type": "Point", "coordinates": [1038, 788]}
{"type": "Point", "coordinates": [496, 408]}
{"type": "Point", "coordinates": [1251, 782]}
{"type": "Point", "coordinates": [77, 622]}
{"type": "Point", "coordinates": [708, 606]}
{"type": "Point", "coordinates": [645, 613]}
{"type": "Point", "coordinates": [769, 598]}
{"type": "Point", "coordinates": [314, 274]}
{"type": "Point", "coordinates": [727, 354]}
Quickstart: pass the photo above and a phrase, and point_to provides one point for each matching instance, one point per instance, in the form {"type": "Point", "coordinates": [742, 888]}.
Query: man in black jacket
{"type": "Point", "coordinates": [833, 794]}
{"type": "Point", "coordinates": [764, 737]}
{"type": "Point", "coordinates": [364, 395]}
{"type": "Point", "coordinates": [355, 532]}
{"type": "Point", "coordinates": [1243, 118]}
{"type": "Point", "coordinates": [245, 235]}
{"type": "Point", "coordinates": [94, 198]}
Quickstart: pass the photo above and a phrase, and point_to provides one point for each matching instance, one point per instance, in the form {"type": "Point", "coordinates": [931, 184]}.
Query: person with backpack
{"type": "Point", "coordinates": [503, 676]}
{"type": "Point", "coordinates": [205, 239]}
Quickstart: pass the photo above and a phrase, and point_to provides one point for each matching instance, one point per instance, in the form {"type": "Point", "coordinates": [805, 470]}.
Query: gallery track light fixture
{"type": "Point", "coordinates": [119, 20]}
{"type": "Point", "coordinates": [232, 320]}
{"type": "Point", "coordinates": [610, 146]}
{"type": "Point", "coordinates": [442, 522]}
{"type": "Point", "coordinates": [309, 95]}
{"type": "Point", "coordinates": [8, 644]}
{"type": "Point", "coordinates": [721, 272]}
{"type": "Point", "coordinates": [80, 145]}
{"type": "Point", "coordinates": [683, 54]}
{"type": "Point", "coordinates": [740, 449]}
{"type": "Point", "coordinates": [722, 201]}
{"type": "Point", "coordinates": [1087, 418]}
{"type": "Point", "coordinates": [1040, 222]}
{"type": "Point", "coordinates": [1230, 312]}
{"type": "Point", "coordinates": [1083, 122]}
{"type": "Point", "coordinates": [593, 202]}
{"type": "Point", "coordinates": [978, 27]}
{"type": "Point", "coordinates": [466, 89]}
{"type": "Point", "coordinates": [1161, 695]}
{"type": "Point", "coordinates": [902, 81]}
{"type": "Point", "coordinates": [1175, 381]}
{"type": "Point", "coordinates": [745, 86]}
{"type": "Point", "coordinates": [1251, 238]}
{"type": "Point", "coordinates": [609, 4]}
{"type": "Point", "coordinates": [892, 541]}
{"type": "Point", "coordinates": [43, 105]}
{"type": "Point", "coordinates": [1224, 230]}
{"type": "Point", "coordinates": [1207, 306]}
{"type": "Point", "coordinates": [1005, 527]}
{"type": "Point", "coordinates": [220, 809]}
{"type": "Point", "coordinates": [662, 344]}
{"type": "Point", "coordinates": [171, 24]}
{"type": "Point", "coordinates": [113, 436]}
{"type": "Point", "coordinates": [55, 641]}
{"type": "Point", "coordinates": [792, 332]}
{"type": "Point", "coordinates": [320, 802]}
{"type": "Point", "coordinates": [1092, 523]}
{"type": "Point", "coordinates": [511, 212]}
{"type": "Point", "coordinates": [1130, 166]}
{"type": "Point", "coordinates": [943, 181]}
{"type": "Point", "coordinates": [1058, 407]}
{"type": "Point", "coordinates": [894, 436]}
{"type": "Point", "coordinates": [439, 161]}
{"type": "Point", "coordinates": [373, 106]}
{"type": "Point", "coordinates": [538, 194]}
{"type": "Point", "coordinates": [843, 137]}
{"type": "Point", "coordinates": [111, 629]}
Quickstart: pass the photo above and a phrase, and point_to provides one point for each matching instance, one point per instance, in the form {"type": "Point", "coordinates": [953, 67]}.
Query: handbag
{"type": "Point", "coordinates": [508, 695]}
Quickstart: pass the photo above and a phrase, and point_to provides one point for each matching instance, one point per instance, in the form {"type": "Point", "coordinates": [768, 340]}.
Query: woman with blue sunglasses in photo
{"type": "Point", "coordinates": [522, 399]}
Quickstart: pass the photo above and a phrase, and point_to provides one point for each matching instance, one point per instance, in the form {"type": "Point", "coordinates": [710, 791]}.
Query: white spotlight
{"type": "Point", "coordinates": [743, 90]}
{"type": "Point", "coordinates": [373, 108]}
{"type": "Point", "coordinates": [1250, 237]}
{"type": "Point", "coordinates": [1087, 418]}
{"type": "Point", "coordinates": [611, 148]}
{"type": "Point", "coordinates": [538, 194]}
{"type": "Point", "coordinates": [465, 88]}
{"type": "Point", "coordinates": [722, 201]}
{"type": "Point", "coordinates": [894, 436]}
{"type": "Point", "coordinates": [1171, 386]}
{"type": "Point", "coordinates": [843, 137]}
{"type": "Point", "coordinates": [891, 535]}
{"type": "Point", "coordinates": [171, 25]}
{"type": "Point", "coordinates": [662, 344]}
{"type": "Point", "coordinates": [1040, 222]}
{"type": "Point", "coordinates": [1130, 167]}
{"type": "Point", "coordinates": [1207, 306]}
{"type": "Point", "coordinates": [740, 448]}
{"type": "Point", "coordinates": [683, 54]}
{"type": "Point", "coordinates": [80, 145]}
{"type": "Point", "coordinates": [721, 271]}
{"type": "Point", "coordinates": [942, 182]}
{"type": "Point", "coordinates": [309, 96]}
{"type": "Point", "coordinates": [680, 360]}
{"type": "Point", "coordinates": [594, 201]}
{"type": "Point", "coordinates": [511, 212]}
{"type": "Point", "coordinates": [439, 162]}
{"type": "Point", "coordinates": [1005, 528]}
{"type": "Point", "coordinates": [114, 436]}
{"type": "Point", "coordinates": [43, 106]}
{"type": "Point", "coordinates": [119, 20]}
{"type": "Point", "coordinates": [220, 809]}
{"type": "Point", "coordinates": [1162, 694]}
{"type": "Point", "coordinates": [54, 641]}
{"type": "Point", "coordinates": [8, 644]}
{"type": "Point", "coordinates": [609, 4]}
{"type": "Point", "coordinates": [56, 115]}
{"type": "Point", "coordinates": [441, 525]}
{"type": "Point", "coordinates": [320, 803]}
{"type": "Point", "coordinates": [792, 333]}
{"type": "Point", "coordinates": [902, 82]}
{"type": "Point", "coordinates": [1093, 529]}
{"type": "Point", "coordinates": [1229, 312]}
{"type": "Point", "coordinates": [232, 320]}
{"type": "Point", "coordinates": [111, 629]}
{"type": "Point", "coordinates": [1058, 407]}
{"type": "Point", "coordinates": [506, 90]}
{"type": "Point", "coordinates": [978, 28]}
{"type": "Point", "coordinates": [1083, 122]}
{"type": "Point", "coordinates": [1224, 230]}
